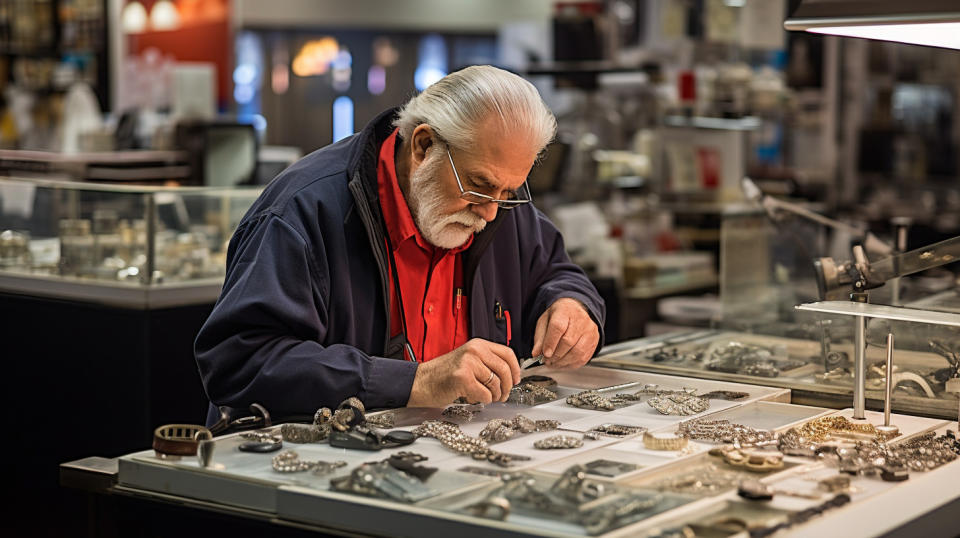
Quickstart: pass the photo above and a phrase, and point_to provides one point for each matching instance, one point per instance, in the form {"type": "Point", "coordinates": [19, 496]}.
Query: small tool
{"type": "Point", "coordinates": [533, 361]}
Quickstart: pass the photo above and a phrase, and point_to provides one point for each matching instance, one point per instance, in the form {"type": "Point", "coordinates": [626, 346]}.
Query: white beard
{"type": "Point", "coordinates": [427, 202]}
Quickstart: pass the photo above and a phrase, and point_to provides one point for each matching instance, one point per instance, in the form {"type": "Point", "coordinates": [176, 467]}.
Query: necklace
{"type": "Point", "coordinates": [451, 436]}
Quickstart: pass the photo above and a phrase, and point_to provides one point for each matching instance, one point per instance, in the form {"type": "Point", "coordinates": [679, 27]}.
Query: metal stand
{"type": "Point", "coordinates": [859, 361]}
{"type": "Point", "coordinates": [887, 430]}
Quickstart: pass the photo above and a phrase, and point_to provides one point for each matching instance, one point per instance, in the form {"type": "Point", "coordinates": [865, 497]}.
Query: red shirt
{"type": "Point", "coordinates": [431, 278]}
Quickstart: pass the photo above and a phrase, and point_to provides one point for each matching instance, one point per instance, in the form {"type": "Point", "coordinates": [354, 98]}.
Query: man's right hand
{"type": "Point", "coordinates": [466, 371]}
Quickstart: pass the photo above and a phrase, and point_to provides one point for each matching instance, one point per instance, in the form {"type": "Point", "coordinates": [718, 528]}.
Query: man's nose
{"type": "Point", "coordinates": [487, 211]}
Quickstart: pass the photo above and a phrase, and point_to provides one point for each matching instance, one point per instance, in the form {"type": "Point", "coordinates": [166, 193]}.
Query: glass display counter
{"type": "Point", "coordinates": [116, 244]}
{"type": "Point", "coordinates": [760, 337]}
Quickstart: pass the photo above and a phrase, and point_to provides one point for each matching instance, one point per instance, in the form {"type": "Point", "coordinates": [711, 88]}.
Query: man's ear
{"type": "Point", "coordinates": [421, 141]}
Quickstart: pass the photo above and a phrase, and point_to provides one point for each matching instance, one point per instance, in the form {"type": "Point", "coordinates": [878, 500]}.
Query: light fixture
{"type": "Point", "coordinates": [164, 16]}
{"type": "Point", "coordinates": [133, 18]}
{"type": "Point", "coordinates": [919, 22]}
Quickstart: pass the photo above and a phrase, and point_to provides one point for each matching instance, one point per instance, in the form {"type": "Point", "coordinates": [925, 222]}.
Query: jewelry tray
{"type": "Point", "coordinates": [247, 481]}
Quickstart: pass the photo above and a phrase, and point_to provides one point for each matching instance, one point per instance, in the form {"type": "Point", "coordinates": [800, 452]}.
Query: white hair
{"type": "Point", "coordinates": [459, 103]}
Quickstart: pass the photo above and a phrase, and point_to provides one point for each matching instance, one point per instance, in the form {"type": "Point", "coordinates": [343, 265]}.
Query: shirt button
{"type": "Point", "coordinates": [430, 309]}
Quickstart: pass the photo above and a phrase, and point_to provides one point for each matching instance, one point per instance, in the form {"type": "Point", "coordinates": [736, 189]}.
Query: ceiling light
{"type": "Point", "coordinates": [934, 23]}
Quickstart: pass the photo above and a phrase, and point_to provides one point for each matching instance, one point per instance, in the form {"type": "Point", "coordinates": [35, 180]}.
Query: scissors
{"type": "Point", "coordinates": [533, 361]}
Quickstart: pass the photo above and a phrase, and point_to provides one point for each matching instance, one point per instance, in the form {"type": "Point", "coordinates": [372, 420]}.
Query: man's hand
{"type": "Point", "coordinates": [481, 371]}
{"type": "Point", "coordinates": [566, 336]}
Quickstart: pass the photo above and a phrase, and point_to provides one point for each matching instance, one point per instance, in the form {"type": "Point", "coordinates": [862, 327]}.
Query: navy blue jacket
{"type": "Point", "coordinates": [303, 319]}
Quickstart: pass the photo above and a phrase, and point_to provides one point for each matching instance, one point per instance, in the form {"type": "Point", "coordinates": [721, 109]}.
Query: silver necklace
{"type": "Point", "coordinates": [452, 437]}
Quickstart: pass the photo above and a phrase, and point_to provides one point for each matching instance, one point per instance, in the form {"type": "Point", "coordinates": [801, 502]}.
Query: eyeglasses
{"type": "Point", "coordinates": [519, 197]}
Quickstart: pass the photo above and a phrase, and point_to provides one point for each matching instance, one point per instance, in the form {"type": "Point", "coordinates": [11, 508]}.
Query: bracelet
{"type": "Point", "coordinates": [179, 439]}
{"type": "Point", "coordinates": [663, 442]}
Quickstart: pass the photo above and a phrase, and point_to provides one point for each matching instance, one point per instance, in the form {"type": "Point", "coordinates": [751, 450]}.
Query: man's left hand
{"type": "Point", "coordinates": [565, 335]}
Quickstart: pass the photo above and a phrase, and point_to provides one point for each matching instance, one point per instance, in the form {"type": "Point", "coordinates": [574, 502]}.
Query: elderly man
{"type": "Point", "coordinates": [403, 265]}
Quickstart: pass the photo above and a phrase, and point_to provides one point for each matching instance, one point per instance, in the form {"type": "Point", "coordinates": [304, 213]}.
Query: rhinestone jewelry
{"type": "Point", "coordinates": [380, 479]}
{"type": "Point", "coordinates": [528, 393]}
{"type": "Point", "coordinates": [262, 437]}
{"type": "Point", "coordinates": [617, 430]}
{"type": "Point", "coordinates": [652, 389]}
{"type": "Point", "coordinates": [289, 461]}
{"type": "Point", "coordinates": [301, 433]}
{"type": "Point", "coordinates": [387, 419]}
{"type": "Point", "coordinates": [679, 404]}
{"type": "Point", "coordinates": [450, 436]}
{"type": "Point", "coordinates": [326, 467]}
{"type": "Point", "coordinates": [723, 431]}
{"type": "Point", "coordinates": [499, 429]}
{"type": "Point", "coordinates": [460, 412]}
{"type": "Point", "coordinates": [922, 453]}
{"type": "Point", "coordinates": [804, 440]}
{"type": "Point", "coordinates": [591, 399]}
{"type": "Point", "coordinates": [574, 486]}
{"type": "Point", "coordinates": [757, 462]}
{"type": "Point", "coordinates": [663, 441]}
{"type": "Point", "coordinates": [558, 441]}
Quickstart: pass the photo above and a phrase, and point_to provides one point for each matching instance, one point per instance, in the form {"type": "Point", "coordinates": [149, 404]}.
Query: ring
{"type": "Point", "coordinates": [489, 379]}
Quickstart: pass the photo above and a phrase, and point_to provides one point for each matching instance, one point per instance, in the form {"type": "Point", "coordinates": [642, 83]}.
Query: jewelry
{"type": "Point", "coordinates": [805, 440]}
{"type": "Point", "coordinates": [450, 436]}
{"type": "Point", "coordinates": [797, 518]}
{"type": "Point", "coordinates": [609, 468]}
{"type": "Point", "coordinates": [383, 480]}
{"type": "Point", "coordinates": [617, 430]}
{"type": "Point", "coordinates": [179, 439]}
{"type": "Point", "coordinates": [349, 413]}
{"type": "Point", "coordinates": [527, 393]}
{"type": "Point", "coordinates": [300, 433]}
{"type": "Point", "coordinates": [493, 507]}
{"type": "Point", "coordinates": [574, 486]}
{"type": "Point", "coordinates": [663, 442]}
{"type": "Point", "coordinates": [262, 436]}
{"type": "Point", "coordinates": [321, 468]}
{"type": "Point", "coordinates": [521, 489]}
{"type": "Point", "coordinates": [464, 412]}
{"type": "Point", "coordinates": [758, 462]}
{"type": "Point", "coordinates": [289, 461]}
{"type": "Point", "coordinates": [834, 484]}
{"type": "Point", "coordinates": [922, 453]}
{"type": "Point", "coordinates": [724, 431]}
{"type": "Point", "coordinates": [679, 404]}
{"type": "Point", "coordinates": [489, 379]}
{"type": "Point", "coordinates": [704, 480]}
{"type": "Point", "coordinates": [558, 441]}
{"type": "Point", "coordinates": [591, 399]}
{"type": "Point", "coordinates": [499, 429]}
{"type": "Point", "coordinates": [387, 419]}
{"type": "Point", "coordinates": [617, 510]}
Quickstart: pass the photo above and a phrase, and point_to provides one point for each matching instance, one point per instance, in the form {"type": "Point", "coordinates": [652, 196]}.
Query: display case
{"type": "Point", "coordinates": [761, 337]}
{"type": "Point", "coordinates": [120, 243]}
{"type": "Point", "coordinates": [742, 464]}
